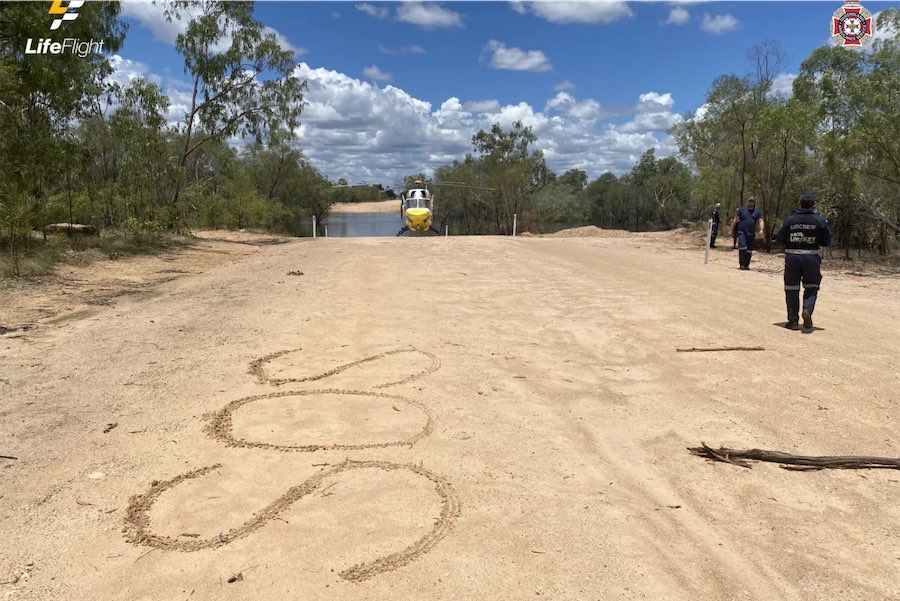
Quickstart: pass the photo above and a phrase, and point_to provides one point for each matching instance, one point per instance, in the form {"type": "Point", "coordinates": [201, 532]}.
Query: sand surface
{"type": "Point", "coordinates": [508, 420]}
{"type": "Point", "coordinates": [383, 206]}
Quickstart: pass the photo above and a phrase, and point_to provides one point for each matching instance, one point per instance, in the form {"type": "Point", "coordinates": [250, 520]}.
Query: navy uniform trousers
{"type": "Point", "coordinates": [805, 269]}
{"type": "Point", "coordinates": [746, 242]}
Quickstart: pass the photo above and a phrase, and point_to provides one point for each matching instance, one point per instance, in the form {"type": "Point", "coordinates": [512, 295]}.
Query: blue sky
{"type": "Point", "coordinates": [400, 87]}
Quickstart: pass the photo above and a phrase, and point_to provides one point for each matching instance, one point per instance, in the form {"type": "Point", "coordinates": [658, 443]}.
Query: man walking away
{"type": "Point", "coordinates": [744, 224]}
{"type": "Point", "coordinates": [803, 234]}
{"type": "Point", "coordinates": [715, 225]}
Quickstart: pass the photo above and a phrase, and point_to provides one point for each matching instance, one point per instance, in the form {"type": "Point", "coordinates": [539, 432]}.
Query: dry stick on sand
{"type": "Point", "coordinates": [694, 349]}
{"type": "Point", "coordinates": [795, 462]}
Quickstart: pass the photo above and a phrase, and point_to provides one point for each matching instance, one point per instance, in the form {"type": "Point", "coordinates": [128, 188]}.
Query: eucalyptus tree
{"type": "Point", "coordinates": [782, 165]}
{"type": "Point", "coordinates": [561, 200]}
{"type": "Point", "coordinates": [513, 169]}
{"type": "Point", "coordinates": [826, 84]}
{"type": "Point", "coordinates": [242, 81]}
{"type": "Point", "coordinates": [877, 102]}
{"type": "Point", "coordinates": [41, 97]}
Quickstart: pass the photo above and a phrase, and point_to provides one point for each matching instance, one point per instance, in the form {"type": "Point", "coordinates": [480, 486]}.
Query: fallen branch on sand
{"type": "Point", "coordinates": [694, 349]}
{"type": "Point", "coordinates": [9, 457]}
{"type": "Point", "coordinates": [794, 462]}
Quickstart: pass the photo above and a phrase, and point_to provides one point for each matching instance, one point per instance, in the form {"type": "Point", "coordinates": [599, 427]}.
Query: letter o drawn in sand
{"type": "Point", "coordinates": [257, 368]}
{"type": "Point", "coordinates": [221, 426]}
{"type": "Point", "coordinates": [137, 519]}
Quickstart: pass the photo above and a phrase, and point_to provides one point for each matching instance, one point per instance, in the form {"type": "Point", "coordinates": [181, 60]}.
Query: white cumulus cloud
{"type": "Point", "coordinates": [678, 16]}
{"type": "Point", "coordinates": [379, 12]}
{"type": "Point", "coordinates": [373, 72]}
{"type": "Point", "coordinates": [427, 15]}
{"type": "Point", "coordinates": [152, 16]}
{"type": "Point", "coordinates": [516, 59]}
{"type": "Point", "coordinates": [518, 6]}
{"type": "Point", "coordinates": [482, 106]}
{"type": "Point", "coordinates": [356, 129]}
{"type": "Point", "coordinates": [284, 42]}
{"type": "Point", "coordinates": [653, 114]}
{"type": "Point", "coordinates": [125, 71]}
{"type": "Point", "coordinates": [719, 24]}
{"type": "Point", "coordinates": [565, 103]}
{"type": "Point", "coordinates": [653, 102]}
{"type": "Point", "coordinates": [783, 85]}
{"type": "Point", "coordinates": [414, 49]}
{"type": "Point", "coordinates": [569, 11]}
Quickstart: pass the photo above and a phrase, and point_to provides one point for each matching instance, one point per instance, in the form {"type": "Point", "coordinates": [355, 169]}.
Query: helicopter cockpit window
{"type": "Point", "coordinates": [418, 203]}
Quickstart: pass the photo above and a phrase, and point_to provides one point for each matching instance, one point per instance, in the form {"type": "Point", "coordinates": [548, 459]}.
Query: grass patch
{"type": "Point", "coordinates": [43, 255]}
{"type": "Point", "coordinates": [33, 264]}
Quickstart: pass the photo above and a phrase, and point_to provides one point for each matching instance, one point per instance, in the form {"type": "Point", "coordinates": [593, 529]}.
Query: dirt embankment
{"type": "Point", "coordinates": [79, 288]}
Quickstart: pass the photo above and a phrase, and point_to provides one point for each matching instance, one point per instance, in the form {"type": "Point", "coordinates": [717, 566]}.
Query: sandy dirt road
{"type": "Point", "coordinates": [452, 418]}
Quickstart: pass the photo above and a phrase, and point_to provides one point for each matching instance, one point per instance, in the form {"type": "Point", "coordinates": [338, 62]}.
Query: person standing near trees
{"type": "Point", "coordinates": [715, 225]}
{"type": "Point", "coordinates": [803, 233]}
{"type": "Point", "coordinates": [744, 226]}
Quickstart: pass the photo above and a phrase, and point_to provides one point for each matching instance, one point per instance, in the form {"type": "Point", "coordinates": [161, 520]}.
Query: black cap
{"type": "Point", "coordinates": [807, 199]}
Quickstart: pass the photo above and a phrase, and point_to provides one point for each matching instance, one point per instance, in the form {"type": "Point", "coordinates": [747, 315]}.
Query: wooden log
{"type": "Point", "coordinates": [795, 462]}
{"type": "Point", "coordinates": [70, 228]}
{"type": "Point", "coordinates": [694, 349]}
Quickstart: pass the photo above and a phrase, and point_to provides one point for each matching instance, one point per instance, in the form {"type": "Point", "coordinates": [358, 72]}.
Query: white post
{"type": "Point", "coordinates": [446, 230]}
{"type": "Point", "coordinates": [314, 226]}
{"type": "Point", "coordinates": [326, 230]}
{"type": "Point", "coordinates": [514, 223]}
{"type": "Point", "coordinates": [708, 238]}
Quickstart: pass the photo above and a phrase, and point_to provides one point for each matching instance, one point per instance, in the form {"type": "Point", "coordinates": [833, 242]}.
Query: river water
{"type": "Point", "coordinates": [355, 225]}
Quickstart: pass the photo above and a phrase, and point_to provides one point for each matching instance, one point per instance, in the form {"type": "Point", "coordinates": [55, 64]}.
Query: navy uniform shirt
{"type": "Point", "coordinates": [747, 219]}
{"type": "Point", "coordinates": [715, 216]}
{"type": "Point", "coordinates": [804, 230]}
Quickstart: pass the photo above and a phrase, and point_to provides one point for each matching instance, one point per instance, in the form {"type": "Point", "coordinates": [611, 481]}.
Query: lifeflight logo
{"type": "Point", "coordinates": [80, 48]}
{"type": "Point", "coordinates": [68, 12]}
{"type": "Point", "coordinates": [63, 10]}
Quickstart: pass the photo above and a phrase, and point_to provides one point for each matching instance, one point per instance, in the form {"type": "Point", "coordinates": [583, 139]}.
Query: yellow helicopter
{"type": "Point", "coordinates": [417, 203]}
{"type": "Point", "coordinates": [416, 208]}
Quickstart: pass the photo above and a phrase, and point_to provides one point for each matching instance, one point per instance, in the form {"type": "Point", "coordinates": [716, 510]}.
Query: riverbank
{"type": "Point", "coordinates": [382, 206]}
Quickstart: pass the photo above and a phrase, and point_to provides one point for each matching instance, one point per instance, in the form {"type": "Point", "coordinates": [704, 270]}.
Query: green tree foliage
{"type": "Point", "coordinates": [242, 81]}
{"type": "Point", "coordinates": [656, 194]}
{"type": "Point", "coordinates": [561, 200]}
{"type": "Point", "coordinates": [661, 192]}
{"type": "Point", "coordinates": [839, 135]}
{"type": "Point", "coordinates": [76, 148]}
{"type": "Point", "coordinates": [41, 95]}
{"type": "Point", "coordinates": [511, 169]}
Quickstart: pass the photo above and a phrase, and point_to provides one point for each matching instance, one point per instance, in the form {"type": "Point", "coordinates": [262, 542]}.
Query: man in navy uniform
{"type": "Point", "coordinates": [803, 234]}
{"type": "Point", "coordinates": [744, 225]}
{"type": "Point", "coordinates": [715, 225]}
